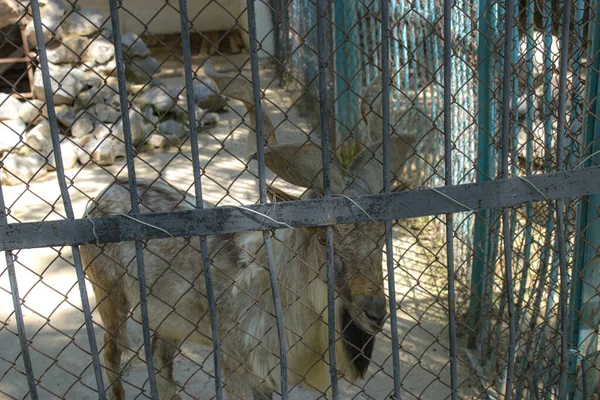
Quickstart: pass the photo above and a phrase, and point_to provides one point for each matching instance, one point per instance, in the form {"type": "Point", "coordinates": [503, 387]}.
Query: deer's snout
{"type": "Point", "coordinates": [375, 309]}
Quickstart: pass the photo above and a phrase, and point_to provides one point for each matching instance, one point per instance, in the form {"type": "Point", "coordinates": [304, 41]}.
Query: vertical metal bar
{"type": "Point", "coordinates": [404, 40]}
{"type": "Point", "coordinates": [528, 153]}
{"type": "Point", "coordinates": [435, 56]}
{"type": "Point", "coordinates": [576, 127]}
{"type": "Point", "coordinates": [14, 291]}
{"type": "Point", "coordinates": [373, 34]}
{"type": "Point", "coordinates": [64, 192]}
{"type": "Point", "coordinates": [539, 290]}
{"type": "Point", "coordinates": [323, 107]}
{"type": "Point", "coordinates": [514, 141]}
{"type": "Point", "coordinates": [484, 160]}
{"type": "Point", "coordinates": [515, 127]}
{"type": "Point", "coordinates": [116, 34]}
{"type": "Point", "coordinates": [560, 233]}
{"type": "Point", "coordinates": [279, 37]}
{"type": "Point", "coordinates": [529, 208]}
{"type": "Point", "coordinates": [189, 88]}
{"type": "Point", "coordinates": [585, 265]}
{"type": "Point", "coordinates": [389, 247]}
{"type": "Point", "coordinates": [575, 144]}
{"type": "Point", "coordinates": [448, 181]}
{"type": "Point", "coordinates": [396, 45]}
{"type": "Point", "coordinates": [347, 65]}
{"type": "Point", "coordinates": [285, 21]}
{"type": "Point", "coordinates": [508, 43]}
{"type": "Point", "coordinates": [540, 347]}
{"type": "Point", "coordinates": [260, 147]}
{"type": "Point", "coordinates": [578, 55]}
{"type": "Point", "coordinates": [490, 251]}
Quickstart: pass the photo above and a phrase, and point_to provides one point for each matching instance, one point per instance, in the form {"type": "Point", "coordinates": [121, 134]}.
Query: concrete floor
{"type": "Point", "coordinates": [51, 307]}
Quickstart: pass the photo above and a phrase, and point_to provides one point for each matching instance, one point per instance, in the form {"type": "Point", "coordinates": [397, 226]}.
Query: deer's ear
{"type": "Point", "coordinates": [368, 165]}
{"type": "Point", "coordinates": [301, 164]}
{"type": "Point", "coordinates": [277, 194]}
{"type": "Point", "coordinates": [370, 108]}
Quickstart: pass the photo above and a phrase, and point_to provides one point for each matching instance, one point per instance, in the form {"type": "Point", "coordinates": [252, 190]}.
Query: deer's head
{"type": "Point", "coordinates": [358, 247]}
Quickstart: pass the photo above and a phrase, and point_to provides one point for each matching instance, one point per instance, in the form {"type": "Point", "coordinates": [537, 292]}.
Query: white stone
{"type": "Point", "coordinates": [149, 115]}
{"type": "Point", "coordinates": [206, 119]}
{"type": "Point", "coordinates": [162, 141]}
{"type": "Point", "coordinates": [88, 97]}
{"type": "Point", "coordinates": [139, 129]}
{"type": "Point", "coordinates": [69, 155]}
{"type": "Point", "coordinates": [98, 152]}
{"type": "Point", "coordinates": [83, 126]}
{"type": "Point", "coordinates": [93, 78]}
{"type": "Point", "coordinates": [206, 95]}
{"type": "Point", "coordinates": [84, 22]}
{"type": "Point", "coordinates": [19, 169]}
{"type": "Point", "coordinates": [9, 107]}
{"type": "Point", "coordinates": [173, 128]}
{"type": "Point", "coordinates": [118, 148]}
{"type": "Point", "coordinates": [46, 151]}
{"type": "Point", "coordinates": [51, 27]}
{"type": "Point", "coordinates": [52, 13]}
{"type": "Point", "coordinates": [66, 83]}
{"type": "Point", "coordinates": [114, 101]}
{"type": "Point", "coordinates": [32, 111]}
{"type": "Point", "coordinates": [68, 50]}
{"type": "Point", "coordinates": [40, 137]}
{"type": "Point", "coordinates": [55, 8]}
{"type": "Point", "coordinates": [108, 69]}
{"type": "Point", "coordinates": [158, 97]}
{"type": "Point", "coordinates": [65, 115]}
{"type": "Point", "coordinates": [133, 46]}
{"type": "Point", "coordinates": [11, 133]}
{"type": "Point", "coordinates": [103, 93]}
{"type": "Point", "coordinates": [140, 70]}
{"type": "Point", "coordinates": [100, 51]}
{"type": "Point", "coordinates": [101, 131]}
{"type": "Point", "coordinates": [106, 113]}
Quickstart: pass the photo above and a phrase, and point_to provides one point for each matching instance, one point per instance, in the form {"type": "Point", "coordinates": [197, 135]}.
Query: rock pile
{"type": "Point", "coordinates": [83, 72]}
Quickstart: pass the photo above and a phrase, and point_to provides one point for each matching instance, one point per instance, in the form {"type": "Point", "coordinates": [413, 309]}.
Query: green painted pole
{"type": "Point", "coordinates": [484, 164]}
{"type": "Point", "coordinates": [585, 277]}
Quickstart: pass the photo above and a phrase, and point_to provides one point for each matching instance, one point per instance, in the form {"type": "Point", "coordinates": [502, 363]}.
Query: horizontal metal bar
{"type": "Point", "coordinates": [14, 60]}
{"type": "Point", "coordinates": [26, 95]}
{"type": "Point", "coordinates": [318, 212]}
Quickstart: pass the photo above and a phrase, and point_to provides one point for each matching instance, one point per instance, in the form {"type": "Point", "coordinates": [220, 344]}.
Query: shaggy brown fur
{"type": "Point", "coordinates": [177, 302]}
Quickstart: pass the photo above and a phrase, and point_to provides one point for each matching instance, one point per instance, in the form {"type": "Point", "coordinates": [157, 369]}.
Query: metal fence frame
{"type": "Point", "coordinates": [500, 193]}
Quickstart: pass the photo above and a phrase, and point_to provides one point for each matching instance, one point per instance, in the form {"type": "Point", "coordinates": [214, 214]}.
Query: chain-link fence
{"type": "Point", "coordinates": [330, 199]}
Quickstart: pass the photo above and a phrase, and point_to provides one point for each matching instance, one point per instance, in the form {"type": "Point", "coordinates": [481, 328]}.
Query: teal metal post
{"type": "Point", "coordinates": [346, 68]}
{"type": "Point", "coordinates": [484, 164]}
{"type": "Point", "coordinates": [584, 301]}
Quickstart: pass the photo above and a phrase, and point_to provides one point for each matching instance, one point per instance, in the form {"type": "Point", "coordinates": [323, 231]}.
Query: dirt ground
{"type": "Point", "coordinates": [51, 299]}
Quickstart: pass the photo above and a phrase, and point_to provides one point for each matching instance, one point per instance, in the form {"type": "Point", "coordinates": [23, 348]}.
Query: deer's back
{"type": "Point", "coordinates": [173, 266]}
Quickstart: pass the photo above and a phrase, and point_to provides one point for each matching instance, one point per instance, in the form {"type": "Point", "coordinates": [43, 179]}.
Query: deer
{"type": "Point", "coordinates": [178, 308]}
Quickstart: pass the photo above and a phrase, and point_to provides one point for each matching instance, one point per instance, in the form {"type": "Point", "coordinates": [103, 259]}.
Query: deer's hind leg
{"type": "Point", "coordinates": [114, 311]}
{"type": "Point", "coordinates": [163, 353]}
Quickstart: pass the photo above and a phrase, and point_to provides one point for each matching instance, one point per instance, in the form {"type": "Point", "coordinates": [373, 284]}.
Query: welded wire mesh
{"type": "Point", "coordinates": [252, 132]}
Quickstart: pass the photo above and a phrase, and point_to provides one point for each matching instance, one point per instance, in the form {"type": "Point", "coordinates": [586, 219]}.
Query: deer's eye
{"type": "Point", "coordinates": [323, 238]}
